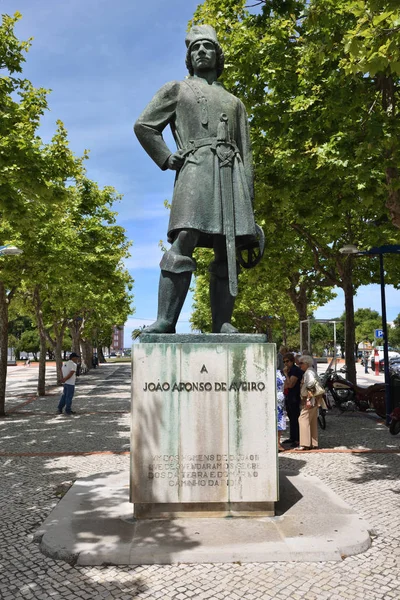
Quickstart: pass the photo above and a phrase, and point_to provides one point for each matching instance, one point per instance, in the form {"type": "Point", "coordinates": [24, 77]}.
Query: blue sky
{"type": "Point", "coordinates": [104, 61]}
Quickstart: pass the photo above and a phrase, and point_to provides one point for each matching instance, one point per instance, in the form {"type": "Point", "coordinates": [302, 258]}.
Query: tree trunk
{"type": "Point", "coordinates": [86, 354]}
{"type": "Point", "coordinates": [43, 343]}
{"type": "Point", "coordinates": [100, 355]}
{"type": "Point", "coordinates": [41, 389]}
{"type": "Point", "coordinates": [268, 331]}
{"type": "Point", "coordinates": [75, 330]}
{"type": "Point", "coordinates": [393, 200]}
{"type": "Point", "coordinates": [284, 332]}
{"type": "Point", "coordinates": [58, 357]}
{"type": "Point", "coordinates": [302, 312]}
{"type": "Point", "coordinates": [388, 88]}
{"type": "Point", "coordinates": [299, 298]}
{"type": "Point", "coordinates": [350, 336]}
{"type": "Point", "coordinates": [3, 347]}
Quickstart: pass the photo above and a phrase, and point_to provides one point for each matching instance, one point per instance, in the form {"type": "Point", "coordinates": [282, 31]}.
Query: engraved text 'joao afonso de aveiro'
{"type": "Point", "coordinates": [204, 386]}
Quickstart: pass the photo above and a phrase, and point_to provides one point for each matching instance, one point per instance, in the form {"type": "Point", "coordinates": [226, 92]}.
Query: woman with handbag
{"type": "Point", "coordinates": [311, 393]}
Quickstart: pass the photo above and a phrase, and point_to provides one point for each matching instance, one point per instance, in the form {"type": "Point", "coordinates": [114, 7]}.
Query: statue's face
{"type": "Point", "coordinates": [203, 56]}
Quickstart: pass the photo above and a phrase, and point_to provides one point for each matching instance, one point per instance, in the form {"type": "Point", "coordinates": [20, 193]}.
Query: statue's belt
{"type": "Point", "coordinates": [213, 142]}
{"type": "Point", "coordinates": [225, 150]}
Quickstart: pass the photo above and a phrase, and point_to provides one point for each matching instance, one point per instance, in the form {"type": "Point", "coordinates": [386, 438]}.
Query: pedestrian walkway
{"type": "Point", "coordinates": [363, 379]}
{"type": "Point", "coordinates": [41, 454]}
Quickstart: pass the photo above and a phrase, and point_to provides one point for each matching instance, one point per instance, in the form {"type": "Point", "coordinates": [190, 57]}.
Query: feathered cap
{"type": "Point", "coordinates": [201, 32]}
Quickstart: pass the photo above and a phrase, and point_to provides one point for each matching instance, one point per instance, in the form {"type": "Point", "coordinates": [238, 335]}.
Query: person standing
{"type": "Point", "coordinates": [366, 357]}
{"type": "Point", "coordinates": [68, 380]}
{"type": "Point", "coordinates": [308, 419]}
{"type": "Point", "coordinates": [293, 376]}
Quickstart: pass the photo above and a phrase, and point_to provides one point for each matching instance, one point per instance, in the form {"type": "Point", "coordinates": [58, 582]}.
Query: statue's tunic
{"type": "Point", "coordinates": [193, 109]}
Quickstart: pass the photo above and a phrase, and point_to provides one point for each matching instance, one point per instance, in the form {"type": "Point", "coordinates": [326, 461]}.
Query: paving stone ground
{"type": "Point", "coordinates": [35, 473]}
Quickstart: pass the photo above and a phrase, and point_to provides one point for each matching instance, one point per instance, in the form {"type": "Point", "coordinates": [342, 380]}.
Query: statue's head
{"type": "Point", "coordinates": [208, 34]}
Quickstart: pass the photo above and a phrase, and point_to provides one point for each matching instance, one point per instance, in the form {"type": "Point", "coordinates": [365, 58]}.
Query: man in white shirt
{"type": "Point", "coordinates": [69, 378]}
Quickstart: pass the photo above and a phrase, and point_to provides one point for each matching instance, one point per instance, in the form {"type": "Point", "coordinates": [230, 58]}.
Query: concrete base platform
{"type": "Point", "coordinates": [93, 525]}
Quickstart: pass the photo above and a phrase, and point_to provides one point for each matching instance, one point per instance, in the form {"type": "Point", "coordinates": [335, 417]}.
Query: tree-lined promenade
{"type": "Point", "coordinates": [320, 81]}
{"type": "Point", "coordinates": [70, 277]}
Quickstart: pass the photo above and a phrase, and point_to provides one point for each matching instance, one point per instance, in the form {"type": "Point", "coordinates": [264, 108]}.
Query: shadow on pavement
{"type": "Point", "coordinates": [289, 495]}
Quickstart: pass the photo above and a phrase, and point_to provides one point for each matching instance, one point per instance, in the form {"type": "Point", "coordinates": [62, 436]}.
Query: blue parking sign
{"type": "Point", "coordinates": [379, 333]}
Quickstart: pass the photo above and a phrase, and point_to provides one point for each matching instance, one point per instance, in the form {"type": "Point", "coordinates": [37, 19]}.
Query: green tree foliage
{"type": "Point", "coordinates": [29, 342]}
{"type": "Point", "coordinates": [366, 321]}
{"type": "Point", "coordinates": [259, 309]}
{"type": "Point", "coordinates": [324, 140]}
{"type": "Point", "coordinates": [272, 298]}
{"type": "Point", "coordinates": [17, 326]}
{"type": "Point", "coordinates": [29, 170]}
{"type": "Point", "coordinates": [394, 333]}
{"type": "Point", "coordinates": [322, 338]}
{"type": "Point", "coordinates": [19, 323]}
{"type": "Point", "coordinates": [31, 173]}
{"type": "Point", "coordinates": [75, 276]}
{"type": "Point", "coordinates": [71, 273]}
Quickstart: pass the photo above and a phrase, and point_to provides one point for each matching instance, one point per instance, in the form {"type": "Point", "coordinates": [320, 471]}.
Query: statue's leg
{"type": "Point", "coordinates": [177, 266]}
{"type": "Point", "coordinates": [222, 302]}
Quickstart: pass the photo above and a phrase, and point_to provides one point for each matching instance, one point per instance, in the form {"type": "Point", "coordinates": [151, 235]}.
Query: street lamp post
{"type": "Point", "coordinates": [380, 251]}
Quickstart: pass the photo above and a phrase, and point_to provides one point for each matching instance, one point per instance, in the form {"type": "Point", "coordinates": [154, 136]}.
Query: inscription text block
{"type": "Point", "coordinates": [203, 423]}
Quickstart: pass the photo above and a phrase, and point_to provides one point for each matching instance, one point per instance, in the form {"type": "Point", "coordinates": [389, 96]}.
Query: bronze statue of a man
{"type": "Point", "coordinates": [212, 204]}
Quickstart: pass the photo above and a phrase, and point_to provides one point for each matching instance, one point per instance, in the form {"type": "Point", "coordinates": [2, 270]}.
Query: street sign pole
{"type": "Point", "coordinates": [380, 251]}
{"type": "Point", "coordinates": [385, 343]}
{"type": "Point", "coordinates": [376, 354]}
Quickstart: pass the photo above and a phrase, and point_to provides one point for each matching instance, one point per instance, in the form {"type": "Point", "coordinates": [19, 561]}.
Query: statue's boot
{"type": "Point", "coordinates": [221, 301]}
{"type": "Point", "coordinates": [172, 292]}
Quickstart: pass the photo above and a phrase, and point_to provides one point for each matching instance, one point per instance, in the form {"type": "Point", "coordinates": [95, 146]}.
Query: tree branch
{"type": "Point", "coordinates": [316, 250]}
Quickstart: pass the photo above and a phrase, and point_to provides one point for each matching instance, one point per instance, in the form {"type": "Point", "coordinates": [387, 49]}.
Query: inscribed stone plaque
{"type": "Point", "coordinates": [203, 423]}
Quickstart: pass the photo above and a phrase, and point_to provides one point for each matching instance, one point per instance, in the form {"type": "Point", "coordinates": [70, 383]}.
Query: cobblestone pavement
{"type": "Point", "coordinates": [41, 454]}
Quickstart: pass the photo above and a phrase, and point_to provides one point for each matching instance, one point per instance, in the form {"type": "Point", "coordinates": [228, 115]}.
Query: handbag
{"type": "Point", "coordinates": [319, 390]}
{"type": "Point", "coordinates": [316, 388]}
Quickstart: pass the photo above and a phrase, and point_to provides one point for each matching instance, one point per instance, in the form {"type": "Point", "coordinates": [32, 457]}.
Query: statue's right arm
{"type": "Point", "coordinates": [153, 120]}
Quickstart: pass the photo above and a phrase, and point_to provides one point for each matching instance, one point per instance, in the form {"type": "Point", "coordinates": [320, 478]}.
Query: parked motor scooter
{"type": "Point", "coordinates": [394, 426]}
{"type": "Point", "coordinates": [394, 371]}
{"type": "Point", "coordinates": [349, 396]}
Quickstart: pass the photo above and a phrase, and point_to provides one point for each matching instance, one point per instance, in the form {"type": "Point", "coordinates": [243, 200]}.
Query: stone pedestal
{"type": "Point", "coordinates": [203, 426]}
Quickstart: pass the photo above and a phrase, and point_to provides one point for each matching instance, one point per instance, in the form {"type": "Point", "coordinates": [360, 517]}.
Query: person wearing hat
{"type": "Point", "coordinates": [68, 380]}
{"type": "Point", "coordinates": [212, 203]}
